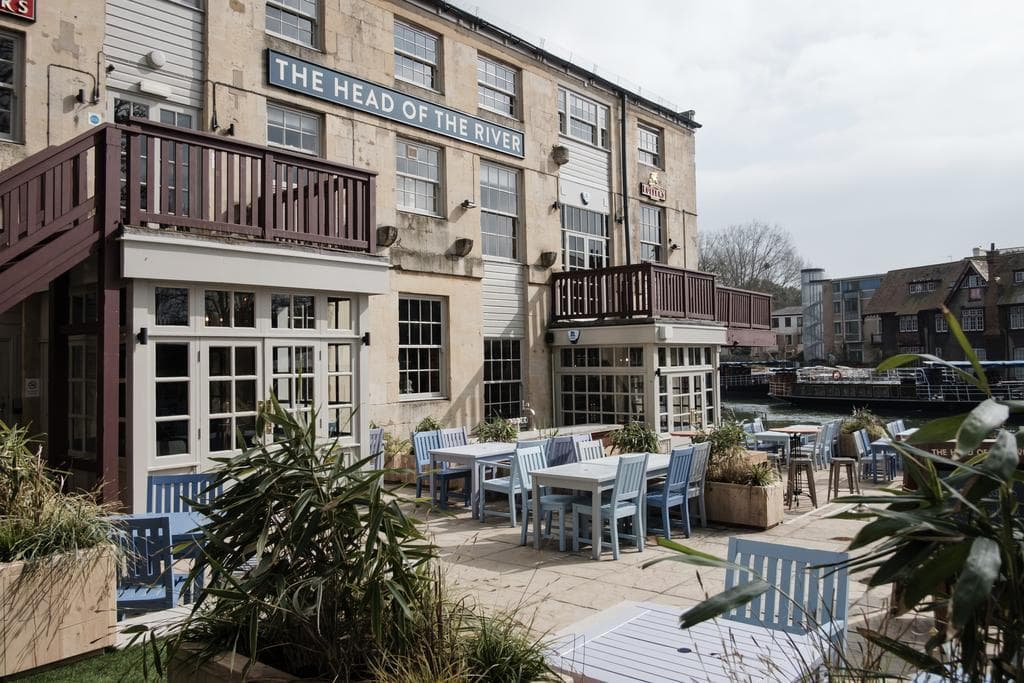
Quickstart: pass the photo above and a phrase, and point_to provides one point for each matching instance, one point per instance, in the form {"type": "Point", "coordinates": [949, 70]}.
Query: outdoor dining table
{"type": "Point", "coordinates": [593, 476]}
{"type": "Point", "coordinates": [885, 448]}
{"type": "Point", "coordinates": [472, 456]}
{"type": "Point", "coordinates": [798, 432]}
{"type": "Point", "coordinates": [774, 436]}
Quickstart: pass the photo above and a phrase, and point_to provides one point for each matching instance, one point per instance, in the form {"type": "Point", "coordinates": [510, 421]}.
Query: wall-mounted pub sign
{"type": "Point", "coordinates": [653, 188]}
{"type": "Point", "coordinates": [24, 9]}
{"type": "Point", "coordinates": [298, 75]}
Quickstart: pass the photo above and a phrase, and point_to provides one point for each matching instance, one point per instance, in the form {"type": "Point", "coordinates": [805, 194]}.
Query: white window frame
{"type": "Point", "coordinates": [941, 325]}
{"type": "Point", "coordinates": [972, 319]}
{"type": "Point", "coordinates": [973, 281]}
{"type": "Point", "coordinates": [1016, 317]}
{"type": "Point", "coordinates": [908, 323]}
{"type": "Point", "coordinates": [442, 369]}
{"type": "Point", "coordinates": [515, 193]}
{"type": "Point", "coordinates": [303, 114]}
{"type": "Point", "coordinates": [1018, 277]}
{"type": "Point", "coordinates": [647, 155]}
{"type": "Point", "coordinates": [646, 227]}
{"type": "Point", "coordinates": [285, 8]}
{"type": "Point", "coordinates": [437, 184]}
{"type": "Point", "coordinates": [587, 239]}
{"type": "Point", "coordinates": [485, 86]}
{"type": "Point", "coordinates": [566, 116]}
{"type": "Point", "coordinates": [434, 67]}
{"type": "Point", "coordinates": [16, 87]}
{"type": "Point", "coordinates": [509, 357]}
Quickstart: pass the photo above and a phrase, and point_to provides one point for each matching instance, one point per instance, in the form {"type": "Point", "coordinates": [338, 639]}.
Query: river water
{"type": "Point", "coordinates": [780, 413]}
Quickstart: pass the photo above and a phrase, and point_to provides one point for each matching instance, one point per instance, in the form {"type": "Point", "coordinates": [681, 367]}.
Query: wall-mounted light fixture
{"type": "Point", "coordinates": [548, 258]}
{"type": "Point", "coordinates": [556, 206]}
{"type": "Point", "coordinates": [672, 245]}
{"type": "Point", "coordinates": [468, 204]}
{"type": "Point", "coordinates": [143, 336]}
{"type": "Point", "coordinates": [462, 247]}
{"type": "Point", "coordinates": [560, 154]}
{"type": "Point", "coordinates": [386, 235]}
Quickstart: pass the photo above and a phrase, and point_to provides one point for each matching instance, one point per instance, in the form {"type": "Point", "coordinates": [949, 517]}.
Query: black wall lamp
{"type": "Point", "coordinates": [462, 247]}
{"type": "Point", "coordinates": [548, 258]}
{"type": "Point", "coordinates": [468, 204]}
{"type": "Point", "coordinates": [386, 235]}
{"type": "Point", "coordinates": [143, 336]}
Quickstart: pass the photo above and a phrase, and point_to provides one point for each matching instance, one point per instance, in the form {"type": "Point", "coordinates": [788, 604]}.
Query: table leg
{"type": "Point", "coordinates": [536, 514]}
{"type": "Point", "coordinates": [595, 522]}
{"type": "Point", "coordinates": [474, 487]}
{"type": "Point", "coordinates": [433, 468]}
{"type": "Point", "coordinates": [874, 465]}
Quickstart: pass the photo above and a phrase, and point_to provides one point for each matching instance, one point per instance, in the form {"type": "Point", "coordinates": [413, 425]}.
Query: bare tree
{"type": "Point", "coordinates": [753, 255]}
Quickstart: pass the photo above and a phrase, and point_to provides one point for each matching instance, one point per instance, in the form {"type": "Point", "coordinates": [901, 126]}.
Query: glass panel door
{"type": "Point", "coordinates": [339, 389]}
{"type": "Point", "coordinates": [231, 384]}
{"type": "Point", "coordinates": [173, 403]}
{"type": "Point", "coordinates": [292, 373]}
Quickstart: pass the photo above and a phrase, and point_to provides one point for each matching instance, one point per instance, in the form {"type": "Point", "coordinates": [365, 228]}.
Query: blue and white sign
{"type": "Point", "coordinates": [298, 75]}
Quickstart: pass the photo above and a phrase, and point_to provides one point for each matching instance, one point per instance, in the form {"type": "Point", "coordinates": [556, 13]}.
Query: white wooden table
{"type": "Point", "coordinates": [594, 476]}
{"type": "Point", "coordinates": [780, 438]}
{"type": "Point", "coordinates": [636, 641]}
{"type": "Point", "coordinates": [470, 456]}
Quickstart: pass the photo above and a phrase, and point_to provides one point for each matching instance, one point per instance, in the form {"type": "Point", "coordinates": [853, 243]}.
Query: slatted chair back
{"type": "Point", "coordinates": [863, 442]}
{"type": "Point", "coordinates": [543, 444]}
{"type": "Point", "coordinates": [561, 450]}
{"type": "Point", "coordinates": [526, 461]}
{"type": "Point", "coordinates": [148, 557]}
{"type": "Point", "coordinates": [422, 444]}
{"type": "Point", "coordinates": [377, 446]}
{"type": "Point", "coordinates": [589, 450]}
{"type": "Point", "coordinates": [758, 425]}
{"type": "Point", "coordinates": [900, 426]}
{"type": "Point", "coordinates": [699, 466]}
{"type": "Point", "coordinates": [630, 477]}
{"type": "Point", "coordinates": [817, 595]}
{"type": "Point", "coordinates": [823, 444]}
{"type": "Point", "coordinates": [455, 436]}
{"type": "Point", "coordinates": [172, 492]}
{"type": "Point", "coordinates": [678, 478]}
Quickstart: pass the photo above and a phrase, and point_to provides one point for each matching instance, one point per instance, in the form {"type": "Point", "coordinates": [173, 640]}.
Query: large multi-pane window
{"type": "Point", "coordinates": [11, 71]}
{"type": "Point", "coordinates": [1017, 317]}
{"type": "Point", "coordinates": [601, 385]}
{"type": "Point", "coordinates": [503, 378]}
{"type": "Point", "coordinates": [652, 234]}
{"type": "Point", "coordinates": [421, 332]}
{"type": "Point", "coordinates": [496, 86]}
{"type": "Point", "coordinates": [581, 118]}
{"type": "Point", "coordinates": [499, 210]}
{"type": "Point", "coordinates": [416, 55]}
{"type": "Point", "coordinates": [649, 146]}
{"type": "Point", "coordinates": [972, 319]}
{"type": "Point", "coordinates": [294, 129]}
{"type": "Point", "coordinates": [940, 323]}
{"type": "Point", "coordinates": [584, 238]}
{"type": "Point", "coordinates": [82, 366]}
{"type": "Point", "coordinates": [232, 378]}
{"type": "Point", "coordinates": [294, 19]}
{"type": "Point", "coordinates": [172, 387]}
{"type": "Point", "coordinates": [417, 177]}
{"type": "Point", "coordinates": [908, 323]}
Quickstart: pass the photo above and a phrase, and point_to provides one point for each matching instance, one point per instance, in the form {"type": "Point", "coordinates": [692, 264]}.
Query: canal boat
{"type": "Point", "coordinates": [931, 387]}
{"type": "Point", "coordinates": [748, 378]}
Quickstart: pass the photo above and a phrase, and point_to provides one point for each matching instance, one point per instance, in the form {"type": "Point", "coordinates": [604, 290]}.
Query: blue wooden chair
{"type": "Point", "coordinates": [673, 492]}
{"type": "Point", "coordinates": [377, 447]}
{"type": "Point", "coordinates": [505, 485]}
{"type": "Point", "coordinates": [543, 444]}
{"type": "Point", "coordinates": [589, 450]}
{"type": "Point", "coordinates": [173, 492]}
{"type": "Point", "coordinates": [147, 580]}
{"type": "Point", "coordinates": [804, 598]}
{"type": "Point", "coordinates": [455, 436]}
{"type": "Point", "coordinates": [524, 464]}
{"type": "Point", "coordinates": [423, 443]}
{"type": "Point", "coordinates": [698, 474]}
{"type": "Point", "coordinates": [630, 478]}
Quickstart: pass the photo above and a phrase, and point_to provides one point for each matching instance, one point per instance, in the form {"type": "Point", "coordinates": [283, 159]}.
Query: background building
{"type": "Point", "coordinates": [788, 326]}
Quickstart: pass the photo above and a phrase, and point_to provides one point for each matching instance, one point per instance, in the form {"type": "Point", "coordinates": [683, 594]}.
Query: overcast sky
{"type": "Point", "coordinates": [880, 134]}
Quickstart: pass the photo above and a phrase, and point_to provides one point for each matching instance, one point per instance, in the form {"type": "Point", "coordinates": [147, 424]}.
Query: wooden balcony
{"type": "Point", "coordinates": [649, 290]}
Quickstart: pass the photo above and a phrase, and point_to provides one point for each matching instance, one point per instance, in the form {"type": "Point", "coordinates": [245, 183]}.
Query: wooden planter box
{"type": "Point", "coordinates": [760, 507]}
{"type": "Point", "coordinates": [56, 608]}
{"type": "Point", "coordinates": [225, 667]}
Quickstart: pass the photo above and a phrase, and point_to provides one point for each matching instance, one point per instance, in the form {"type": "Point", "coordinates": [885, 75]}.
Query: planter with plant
{"type": "Point", "coordinates": [57, 563]}
{"type": "Point", "coordinates": [496, 429]}
{"type": "Point", "coordinates": [739, 491]}
{"type": "Point", "coordinates": [315, 569]}
{"type": "Point", "coordinates": [634, 437]}
{"type": "Point", "coordinates": [860, 418]}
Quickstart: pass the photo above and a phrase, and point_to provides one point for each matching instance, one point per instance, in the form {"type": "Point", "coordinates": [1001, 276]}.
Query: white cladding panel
{"type": "Point", "coordinates": [588, 171]}
{"type": "Point", "coordinates": [137, 27]}
{"type": "Point", "coordinates": [503, 299]}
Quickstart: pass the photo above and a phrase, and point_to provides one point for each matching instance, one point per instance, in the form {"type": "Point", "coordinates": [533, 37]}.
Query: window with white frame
{"type": "Point", "coordinates": [1017, 317]}
{"type": "Point", "coordinates": [225, 308]}
{"type": "Point", "coordinates": [922, 287]}
{"type": "Point", "coordinates": [941, 324]}
{"type": "Point", "coordinates": [652, 233]}
{"type": "Point", "coordinates": [649, 145]}
{"type": "Point", "coordinates": [582, 118]}
{"type": "Point", "coordinates": [293, 311]}
{"type": "Point", "coordinates": [416, 55]}
{"type": "Point", "coordinates": [12, 69]}
{"type": "Point", "coordinates": [908, 323]}
{"type": "Point", "coordinates": [499, 210]}
{"type": "Point", "coordinates": [417, 177]}
{"type": "Point", "coordinates": [340, 389]}
{"type": "Point", "coordinates": [496, 86]}
{"type": "Point", "coordinates": [837, 328]}
{"type": "Point", "coordinates": [503, 378]}
{"type": "Point", "coordinates": [293, 129]}
{"type": "Point", "coordinates": [173, 389]}
{"type": "Point", "coordinates": [1018, 277]}
{"type": "Point", "coordinates": [584, 239]}
{"type": "Point", "coordinates": [972, 319]}
{"type": "Point", "coordinates": [600, 385]}
{"type": "Point", "coordinates": [1018, 355]}
{"type": "Point", "coordinates": [294, 19]}
{"type": "Point", "coordinates": [980, 354]}
{"type": "Point", "coordinates": [853, 330]}
{"type": "Point", "coordinates": [911, 349]}
{"type": "Point", "coordinates": [232, 381]}
{"type": "Point", "coordinates": [172, 306]}
{"type": "Point", "coordinates": [973, 281]}
{"type": "Point", "coordinates": [421, 341]}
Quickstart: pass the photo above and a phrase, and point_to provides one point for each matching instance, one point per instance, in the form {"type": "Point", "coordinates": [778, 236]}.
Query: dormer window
{"type": "Point", "coordinates": [1018, 277]}
{"type": "Point", "coordinates": [974, 281]}
{"type": "Point", "coordinates": [922, 287]}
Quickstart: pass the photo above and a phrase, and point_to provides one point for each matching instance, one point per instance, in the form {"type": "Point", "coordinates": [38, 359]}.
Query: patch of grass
{"type": "Point", "coordinates": [131, 665]}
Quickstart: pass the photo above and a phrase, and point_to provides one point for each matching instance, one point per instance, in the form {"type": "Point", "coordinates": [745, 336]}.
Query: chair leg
{"type": "Point", "coordinates": [512, 508]}
{"type": "Point", "coordinates": [561, 530]}
{"type": "Point", "coordinates": [685, 508]}
{"type": "Point", "coordinates": [613, 525]}
{"type": "Point", "coordinates": [575, 530]}
{"type": "Point", "coordinates": [703, 512]}
{"type": "Point", "coordinates": [640, 530]}
{"type": "Point", "coordinates": [444, 494]}
{"type": "Point", "coordinates": [547, 524]}
{"type": "Point", "coordinates": [525, 521]}
{"type": "Point", "coordinates": [665, 522]}
{"type": "Point", "coordinates": [419, 487]}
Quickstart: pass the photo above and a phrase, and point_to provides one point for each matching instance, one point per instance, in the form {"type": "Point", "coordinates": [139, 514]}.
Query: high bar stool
{"type": "Point", "coordinates": [796, 467]}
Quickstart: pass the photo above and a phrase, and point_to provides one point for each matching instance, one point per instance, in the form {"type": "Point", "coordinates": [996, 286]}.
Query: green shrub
{"type": "Point", "coordinates": [428, 424]}
{"type": "Point", "coordinates": [635, 437]}
{"type": "Point", "coordinates": [37, 520]}
{"type": "Point", "coordinates": [496, 429]}
{"type": "Point", "coordinates": [498, 649]}
{"type": "Point", "coordinates": [395, 449]}
{"type": "Point", "coordinates": [862, 418]}
{"type": "Point", "coordinates": [728, 461]}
